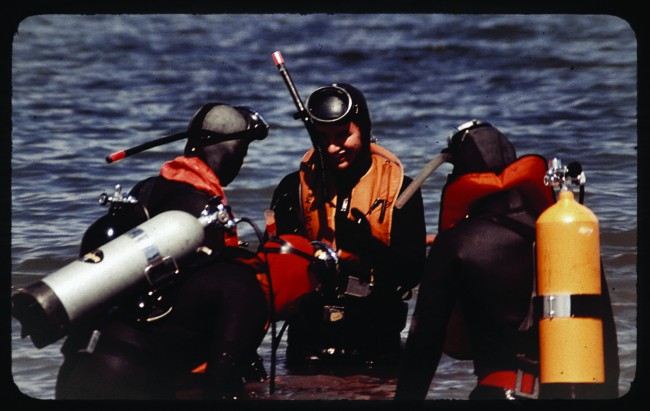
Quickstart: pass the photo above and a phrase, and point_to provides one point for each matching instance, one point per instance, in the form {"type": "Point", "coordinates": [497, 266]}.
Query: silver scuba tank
{"type": "Point", "coordinates": [145, 255]}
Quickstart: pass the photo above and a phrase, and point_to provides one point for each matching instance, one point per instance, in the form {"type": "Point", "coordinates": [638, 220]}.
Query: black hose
{"type": "Point", "coordinates": [260, 237]}
{"type": "Point", "coordinates": [574, 169]}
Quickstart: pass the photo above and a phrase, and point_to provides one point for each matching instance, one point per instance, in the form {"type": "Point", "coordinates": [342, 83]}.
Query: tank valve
{"type": "Point", "coordinates": [219, 213]}
{"type": "Point", "coordinates": [562, 177]}
{"type": "Point", "coordinates": [117, 197]}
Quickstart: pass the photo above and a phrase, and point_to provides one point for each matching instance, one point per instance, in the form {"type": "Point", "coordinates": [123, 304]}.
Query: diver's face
{"type": "Point", "coordinates": [341, 143]}
{"type": "Point", "coordinates": [226, 159]}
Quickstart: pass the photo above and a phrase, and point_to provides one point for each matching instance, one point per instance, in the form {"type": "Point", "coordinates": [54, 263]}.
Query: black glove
{"type": "Point", "coordinates": [354, 236]}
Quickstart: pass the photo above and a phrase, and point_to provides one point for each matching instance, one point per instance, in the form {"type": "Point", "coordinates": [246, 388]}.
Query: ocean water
{"type": "Point", "coordinates": [84, 86]}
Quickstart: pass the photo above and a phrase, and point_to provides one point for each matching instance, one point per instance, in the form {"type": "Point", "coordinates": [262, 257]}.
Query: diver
{"type": "Point", "coordinates": [214, 312]}
{"type": "Point", "coordinates": [343, 195]}
{"type": "Point", "coordinates": [475, 298]}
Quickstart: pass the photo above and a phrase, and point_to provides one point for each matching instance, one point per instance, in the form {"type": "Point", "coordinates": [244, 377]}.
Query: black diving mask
{"type": "Point", "coordinates": [331, 105]}
{"type": "Point", "coordinates": [257, 129]}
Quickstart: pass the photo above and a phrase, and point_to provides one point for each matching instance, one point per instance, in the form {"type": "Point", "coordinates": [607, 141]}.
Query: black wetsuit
{"type": "Point", "coordinates": [218, 315]}
{"type": "Point", "coordinates": [369, 333]}
{"type": "Point", "coordinates": [485, 263]}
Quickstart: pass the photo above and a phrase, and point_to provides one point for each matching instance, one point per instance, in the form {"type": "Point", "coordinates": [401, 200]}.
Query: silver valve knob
{"type": "Point", "coordinates": [561, 176]}
{"type": "Point", "coordinates": [215, 212]}
{"type": "Point", "coordinates": [117, 197]}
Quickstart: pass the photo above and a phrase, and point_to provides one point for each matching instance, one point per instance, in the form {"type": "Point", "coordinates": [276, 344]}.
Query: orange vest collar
{"type": "Point", "coordinates": [526, 173]}
{"type": "Point", "coordinates": [193, 171]}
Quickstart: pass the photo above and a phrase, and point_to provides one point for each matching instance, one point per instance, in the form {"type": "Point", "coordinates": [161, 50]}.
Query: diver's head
{"type": "Point", "coordinates": [219, 134]}
{"type": "Point", "coordinates": [337, 104]}
{"type": "Point", "coordinates": [341, 123]}
{"type": "Point", "coordinates": [479, 147]}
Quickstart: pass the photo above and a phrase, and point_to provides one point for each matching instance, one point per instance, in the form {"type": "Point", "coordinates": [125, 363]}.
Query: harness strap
{"type": "Point", "coordinates": [99, 342]}
{"type": "Point", "coordinates": [517, 383]}
{"type": "Point", "coordinates": [144, 194]}
{"type": "Point", "coordinates": [529, 234]}
{"type": "Point", "coordinates": [525, 230]}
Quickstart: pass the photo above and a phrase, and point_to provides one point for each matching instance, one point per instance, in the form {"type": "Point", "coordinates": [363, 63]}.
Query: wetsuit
{"type": "Point", "coordinates": [484, 261]}
{"type": "Point", "coordinates": [332, 327]}
{"type": "Point", "coordinates": [218, 315]}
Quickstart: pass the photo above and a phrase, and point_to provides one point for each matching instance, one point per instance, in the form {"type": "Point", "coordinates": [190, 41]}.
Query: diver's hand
{"type": "Point", "coordinates": [354, 235]}
{"type": "Point", "coordinates": [354, 243]}
{"type": "Point", "coordinates": [349, 258]}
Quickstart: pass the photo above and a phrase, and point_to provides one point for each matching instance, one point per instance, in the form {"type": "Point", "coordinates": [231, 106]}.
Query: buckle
{"type": "Point", "coordinates": [92, 342]}
{"type": "Point", "coordinates": [358, 288]}
{"type": "Point", "coordinates": [333, 313]}
{"type": "Point", "coordinates": [160, 270]}
{"type": "Point", "coordinates": [518, 385]}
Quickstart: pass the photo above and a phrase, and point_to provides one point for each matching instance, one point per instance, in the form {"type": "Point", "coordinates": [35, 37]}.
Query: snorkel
{"type": "Point", "coordinates": [445, 155]}
{"type": "Point", "coordinates": [303, 115]}
{"type": "Point", "coordinates": [257, 128]}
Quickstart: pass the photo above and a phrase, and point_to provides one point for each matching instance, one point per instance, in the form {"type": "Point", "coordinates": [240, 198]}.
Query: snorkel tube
{"type": "Point", "coordinates": [256, 129]}
{"type": "Point", "coordinates": [433, 164]}
{"type": "Point", "coordinates": [301, 114]}
{"type": "Point", "coordinates": [119, 155]}
{"type": "Point", "coordinates": [417, 182]}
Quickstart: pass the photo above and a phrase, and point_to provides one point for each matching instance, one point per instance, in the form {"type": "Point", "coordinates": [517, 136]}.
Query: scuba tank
{"type": "Point", "coordinates": [143, 256]}
{"type": "Point", "coordinates": [569, 290]}
{"type": "Point", "coordinates": [124, 213]}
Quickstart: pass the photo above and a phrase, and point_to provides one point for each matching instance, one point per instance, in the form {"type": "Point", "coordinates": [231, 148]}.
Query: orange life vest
{"type": "Point", "coordinates": [374, 195]}
{"type": "Point", "coordinates": [289, 257]}
{"type": "Point", "coordinates": [192, 170]}
{"type": "Point", "coordinates": [526, 174]}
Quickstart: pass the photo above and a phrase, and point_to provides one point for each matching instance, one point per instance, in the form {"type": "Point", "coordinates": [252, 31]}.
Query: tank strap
{"type": "Point", "coordinates": [144, 193]}
{"type": "Point", "coordinates": [567, 305]}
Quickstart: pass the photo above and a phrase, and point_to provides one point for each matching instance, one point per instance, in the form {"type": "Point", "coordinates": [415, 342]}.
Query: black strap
{"type": "Point", "coordinates": [525, 230]}
{"type": "Point", "coordinates": [144, 193]}
{"type": "Point", "coordinates": [529, 233]}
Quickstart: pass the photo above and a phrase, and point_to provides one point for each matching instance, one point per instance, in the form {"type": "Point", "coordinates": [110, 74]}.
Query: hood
{"type": "Point", "coordinates": [480, 148]}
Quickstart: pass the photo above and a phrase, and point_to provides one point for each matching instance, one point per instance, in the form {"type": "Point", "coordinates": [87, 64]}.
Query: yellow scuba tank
{"type": "Point", "coordinates": [568, 275]}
